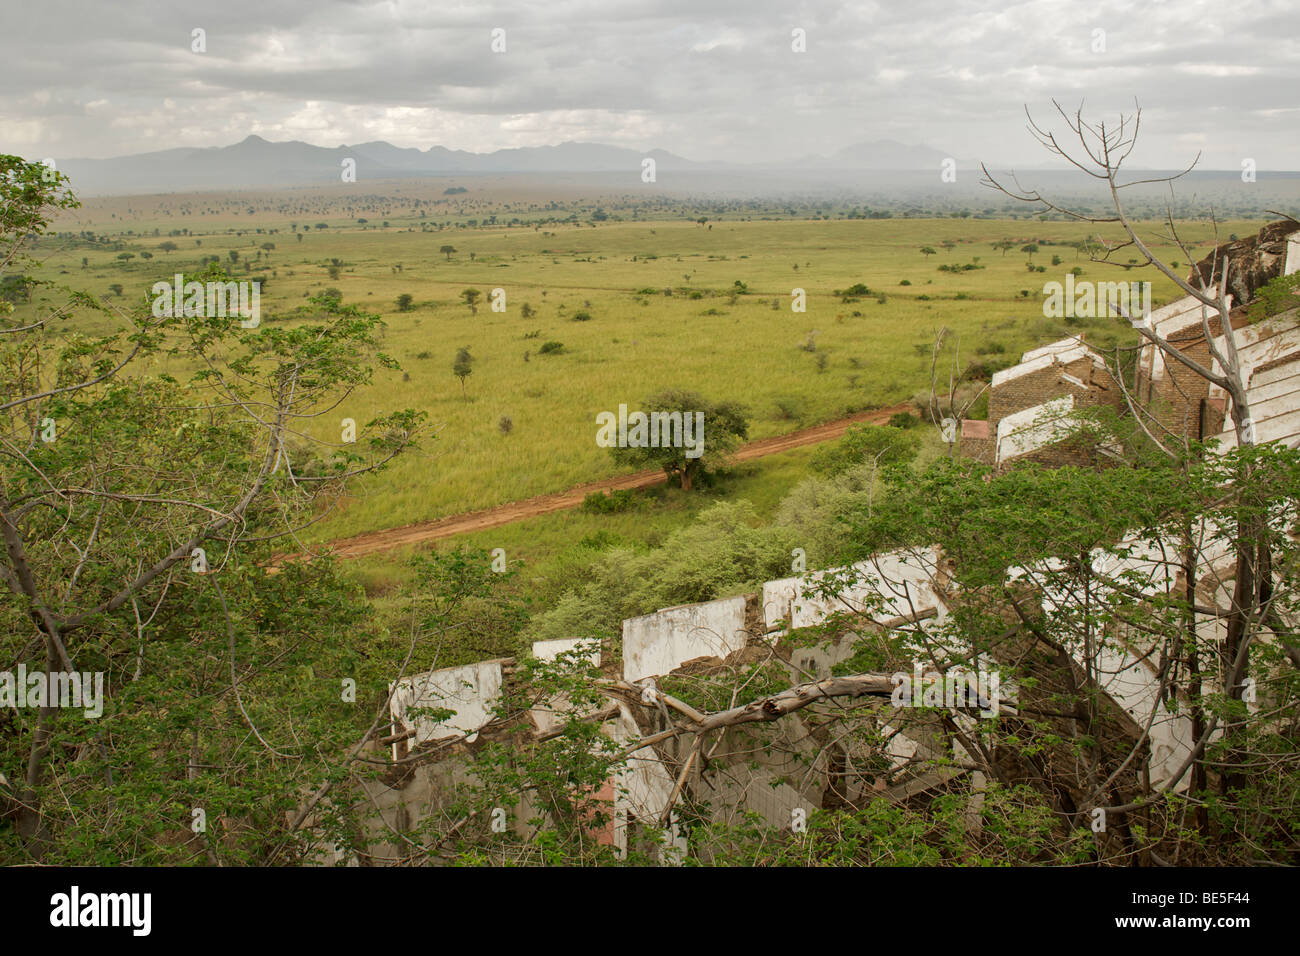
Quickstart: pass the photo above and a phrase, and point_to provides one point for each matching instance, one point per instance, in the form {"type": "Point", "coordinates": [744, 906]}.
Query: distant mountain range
{"type": "Point", "coordinates": [258, 162]}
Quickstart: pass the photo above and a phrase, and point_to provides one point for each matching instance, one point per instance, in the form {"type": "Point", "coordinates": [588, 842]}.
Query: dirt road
{"type": "Point", "coordinates": [390, 538]}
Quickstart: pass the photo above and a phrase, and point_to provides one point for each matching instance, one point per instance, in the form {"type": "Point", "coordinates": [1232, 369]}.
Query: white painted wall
{"type": "Point", "coordinates": [550, 650]}
{"type": "Point", "coordinates": [659, 643]}
{"type": "Point", "coordinates": [1047, 360]}
{"type": "Point", "coordinates": [642, 789]}
{"type": "Point", "coordinates": [472, 691]}
{"type": "Point", "coordinates": [1023, 432]}
{"type": "Point", "coordinates": [549, 714]}
{"type": "Point", "coordinates": [890, 585]}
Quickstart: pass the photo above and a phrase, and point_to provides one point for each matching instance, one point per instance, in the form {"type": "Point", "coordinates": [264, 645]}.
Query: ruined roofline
{"type": "Point", "coordinates": [1046, 360]}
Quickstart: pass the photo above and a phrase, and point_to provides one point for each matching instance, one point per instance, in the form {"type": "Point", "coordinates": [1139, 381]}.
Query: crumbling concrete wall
{"type": "Point", "coordinates": [1033, 429]}
{"type": "Point", "coordinates": [656, 644]}
{"type": "Point", "coordinates": [895, 585]}
{"type": "Point", "coordinates": [1044, 378]}
{"type": "Point", "coordinates": [643, 789]}
{"type": "Point", "coordinates": [1042, 373]}
{"type": "Point", "coordinates": [976, 441]}
{"type": "Point", "coordinates": [550, 714]}
{"type": "Point", "coordinates": [1269, 356]}
{"type": "Point", "coordinates": [472, 691]}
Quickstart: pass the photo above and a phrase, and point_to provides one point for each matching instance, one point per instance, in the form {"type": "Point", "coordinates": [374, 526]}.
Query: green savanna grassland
{"type": "Point", "coordinates": [639, 305]}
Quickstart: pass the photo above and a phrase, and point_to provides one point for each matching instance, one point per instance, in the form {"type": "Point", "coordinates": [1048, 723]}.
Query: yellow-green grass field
{"type": "Point", "coordinates": [637, 340]}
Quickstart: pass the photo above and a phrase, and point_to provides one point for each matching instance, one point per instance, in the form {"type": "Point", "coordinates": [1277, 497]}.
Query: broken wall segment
{"type": "Point", "coordinates": [549, 715]}
{"type": "Point", "coordinates": [472, 691]}
{"type": "Point", "coordinates": [1052, 372]}
{"type": "Point", "coordinates": [899, 584]}
{"type": "Point", "coordinates": [1268, 354]}
{"type": "Point", "coordinates": [656, 644]}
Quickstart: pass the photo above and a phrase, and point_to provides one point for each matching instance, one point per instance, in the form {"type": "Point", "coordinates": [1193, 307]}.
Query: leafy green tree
{"type": "Point", "coordinates": [137, 526]}
{"type": "Point", "coordinates": [880, 445]}
{"type": "Point", "coordinates": [471, 297]}
{"type": "Point", "coordinates": [725, 427]}
{"type": "Point", "coordinates": [447, 251]}
{"type": "Point", "coordinates": [462, 367]}
{"type": "Point", "coordinates": [404, 302]}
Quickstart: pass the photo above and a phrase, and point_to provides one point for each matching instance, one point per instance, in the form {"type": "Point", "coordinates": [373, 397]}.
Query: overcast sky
{"type": "Point", "coordinates": [707, 79]}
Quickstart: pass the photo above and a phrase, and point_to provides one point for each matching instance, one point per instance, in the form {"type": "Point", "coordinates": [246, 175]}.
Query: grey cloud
{"type": "Point", "coordinates": [707, 80]}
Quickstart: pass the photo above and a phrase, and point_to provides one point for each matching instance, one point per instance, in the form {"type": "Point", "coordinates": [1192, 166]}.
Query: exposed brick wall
{"type": "Point", "coordinates": [976, 443]}
{"type": "Point", "coordinates": [1178, 398]}
{"type": "Point", "coordinates": [1034, 388]}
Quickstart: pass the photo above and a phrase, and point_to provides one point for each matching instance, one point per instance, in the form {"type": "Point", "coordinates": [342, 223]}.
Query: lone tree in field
{"type": "Point", "coordinates": [671, 438]}
{"type": "Point", "coordinates": [463, 367]}
{"type": "Point", "coordinates": [471, 297]}
{"type": "Point", "coordinates": [447, 251]}
{"type": "Point", "coordinates": [404, 302]}
{"type": "Point", "coordinates": [927, 251]}
{"type": "Point", "coordinates": [167, 246]}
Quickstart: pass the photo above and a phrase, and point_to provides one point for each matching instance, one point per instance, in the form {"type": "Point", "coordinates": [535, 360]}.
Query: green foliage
{"type": "Point", "coordinates": [600, 502]}
{"type": "Point", "coordinates": [903, 420]}
{"type": "Point", "coordinates": [210, 668]}
{"type": "Point", "coordinates": [462, 366]}
{"type": "Point", "coordinates": [725, 426]}
{"type": "Point", "coordinates": [867, 444]}
{"type": "Point", "coordinates": [716, 556]}
{"type": "Point", "coordinates": [1277, 295]}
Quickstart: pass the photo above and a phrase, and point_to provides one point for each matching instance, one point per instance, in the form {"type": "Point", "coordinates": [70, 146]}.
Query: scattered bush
{"type": "Point", "coordinates": [863, 444]}
{"type": "Point", "coordinates": [903, 420]}
{"type": "Point", "coordinates": [600, 503]}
